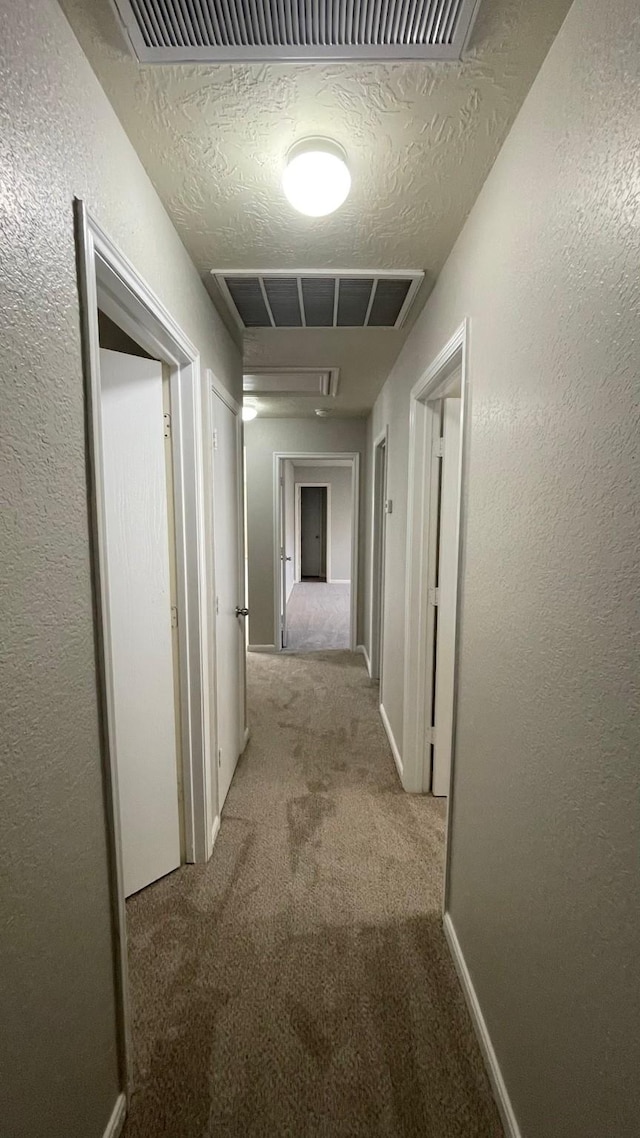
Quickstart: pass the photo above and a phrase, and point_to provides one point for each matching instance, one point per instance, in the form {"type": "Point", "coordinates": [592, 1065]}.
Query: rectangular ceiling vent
{"type": "Point", "coordinates": [214, 31]}
{"type": "Point", "coordinates": [318, 299]}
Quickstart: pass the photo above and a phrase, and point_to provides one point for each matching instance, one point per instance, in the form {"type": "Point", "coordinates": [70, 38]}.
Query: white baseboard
{"type": "Point", "coordinates": [362, 648]}
{"type": "Point", "coordinates": [509, 1121]}
{"type": "Point", "coordinates": [118, 1115]}
{"type": "Point", "coordinates": [261, 647]}
{"type": "Point", "coordinates": [215, 830]}
{"type": "Point", "coordinates": [245, 738]}
{"type": "Point", "coordinates": [392, 742]}
{"type": "Point", "coordinates": [339, 581]}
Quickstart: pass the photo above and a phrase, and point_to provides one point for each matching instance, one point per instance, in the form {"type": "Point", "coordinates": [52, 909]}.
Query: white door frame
{"type": "Point", "coordinates": [297, 530]}
{"type": "Point", "coordinates": [320, 458]}
{"type": "Point", "coordinates": [214, 386]}
{"type": "Point", "coordinates": [108, 280]}
{"type": "Point", "coordinates": [422, 520]}
{"type": "Point", "coordinates": [378, 546]}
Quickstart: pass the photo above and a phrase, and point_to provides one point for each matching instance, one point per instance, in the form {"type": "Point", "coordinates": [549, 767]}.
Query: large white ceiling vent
{"type": "Point", "coordinates": [319, 299]}
{"type": "Point", "coordinates": [211, 31]}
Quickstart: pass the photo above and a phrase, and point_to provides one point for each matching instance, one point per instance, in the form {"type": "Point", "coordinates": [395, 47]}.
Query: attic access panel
{"type": "Point", "coordinates": [271, 382]}
{"type": "Point", "coordinates": [214, 31]}
{"type": "Point", "coordinates": [317, 299]}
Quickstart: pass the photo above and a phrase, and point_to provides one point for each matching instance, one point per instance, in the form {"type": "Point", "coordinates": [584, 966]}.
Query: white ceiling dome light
{"type": "Point", "coordinates": [316, 178]}
{"type": "Point", "coordinates": [249, 412]}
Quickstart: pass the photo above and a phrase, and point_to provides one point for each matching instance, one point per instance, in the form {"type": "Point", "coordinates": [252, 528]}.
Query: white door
{"type": "Point", "coordinates": [446, 610]}
{"type": "Point", "coordinates": [139, 617]}
{"type": "Point", "coordinates": [230, 640]}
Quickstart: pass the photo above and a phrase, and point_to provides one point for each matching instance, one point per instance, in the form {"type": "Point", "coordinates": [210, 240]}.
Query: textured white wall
{"type": "Point", "coordinates": [60, 138]}
{"type": "Point", "coordinates": [544, 880]}
{"type": "Point", "coordinates": [339, 478]}
{"type": "Point", "coordinates": [264, 437]}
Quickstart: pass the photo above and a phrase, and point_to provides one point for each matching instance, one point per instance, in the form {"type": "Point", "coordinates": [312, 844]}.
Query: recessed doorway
{"type": "Point", "coordinates": [142, 387]}
{"type": "Point", "coordinates": [436, 462]}
{"type": "Point", "coordinates": [316, 575]}
{"type": "Point", "coordinates": [379, 522]}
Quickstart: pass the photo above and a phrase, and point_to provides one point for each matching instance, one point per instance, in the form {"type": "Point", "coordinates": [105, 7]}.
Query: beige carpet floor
{"type": "Point", "coordinates": [318, 616]}
{"type": "Point", "coordinates": [299, 985]}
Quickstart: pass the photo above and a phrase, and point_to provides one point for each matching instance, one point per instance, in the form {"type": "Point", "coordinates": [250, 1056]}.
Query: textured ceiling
{"type": "Point", "coordinates": [420, 139]}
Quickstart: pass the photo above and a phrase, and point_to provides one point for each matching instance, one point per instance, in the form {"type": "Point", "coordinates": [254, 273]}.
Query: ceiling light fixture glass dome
{"type": "Point", "coordinates": [249, 412]}
{"type": "Point", "coordinates": [316, 178]}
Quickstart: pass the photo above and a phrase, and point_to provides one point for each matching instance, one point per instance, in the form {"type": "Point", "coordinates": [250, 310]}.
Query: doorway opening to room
{"type": "Point", "coordinates": [434, 555]}
{"type": "Point", "coordinates": [316, 551]}
{"type": "Point", "coordinates": [146, 482]}
{"type": "Point", "coordinates": [230, 583]}
{"type": "Point", "coordinates": [379, 522]}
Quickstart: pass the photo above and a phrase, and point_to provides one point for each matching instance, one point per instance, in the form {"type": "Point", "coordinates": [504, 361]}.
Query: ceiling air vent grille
{"type": "Point", "coordinates": [206, 31]}
{"type": "Point", "coordinates": [318, 300]}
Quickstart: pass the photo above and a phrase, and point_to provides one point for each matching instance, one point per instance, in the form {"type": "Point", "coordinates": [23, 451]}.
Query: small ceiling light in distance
{"type": "Point", "coordinates": [316, 178]}
{"type": "Point", "coordinates": [248, 413]}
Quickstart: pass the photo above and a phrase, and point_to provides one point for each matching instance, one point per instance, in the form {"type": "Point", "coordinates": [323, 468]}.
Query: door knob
{"type": "Point", "coordinates": [241, 611]}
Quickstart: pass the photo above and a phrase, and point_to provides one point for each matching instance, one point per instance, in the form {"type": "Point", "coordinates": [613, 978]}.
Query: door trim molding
{"type": "Point", "coordinates": [314, 458]}
{"type": "Point", "coordinates": [215, 387]}
{"type": "Point", "coordinates": [419, 619]}
{"type": "Point", "coordinates": [378, 559]}
{"type": "Point", "coordinates": [108, 279]}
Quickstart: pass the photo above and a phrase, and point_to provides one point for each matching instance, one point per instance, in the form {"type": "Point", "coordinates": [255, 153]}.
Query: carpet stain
{"type": "Point", "coordinates": [311, 1033]}
{"type": "Point", "coordinates": [305, 816]}
{"type": "Point", "coordinates": [318, 785]}
{"type": "Point", "coordinates": [299, 985]}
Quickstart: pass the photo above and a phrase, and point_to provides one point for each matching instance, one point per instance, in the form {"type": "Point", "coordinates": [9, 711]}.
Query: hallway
{"type": "Point", "coordinates": [300, 983]}
{"type": "Point", "coordinates": [318, 616]}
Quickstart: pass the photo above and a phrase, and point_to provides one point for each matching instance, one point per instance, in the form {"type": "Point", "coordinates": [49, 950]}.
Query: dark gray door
{"type": "Point", "coordinates": [313, 515]}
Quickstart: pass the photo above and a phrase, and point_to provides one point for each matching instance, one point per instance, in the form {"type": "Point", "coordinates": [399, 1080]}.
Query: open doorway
{"type": "Point", "coordinates": [444, 573]}
{"type": "Point", "coordinates": [230, 582]}
{"type": "Point", "coordinates": [316, 518]}
{"type": "Point", "coordinates": [151, 581]}
{"type": "Point", "coordinates": [433, 560]}
{"type": "Point", "coordinates": [380, 507]}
